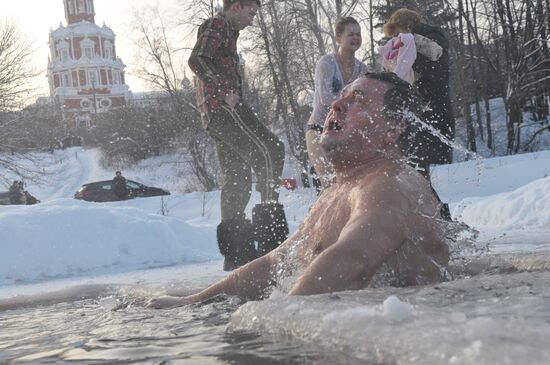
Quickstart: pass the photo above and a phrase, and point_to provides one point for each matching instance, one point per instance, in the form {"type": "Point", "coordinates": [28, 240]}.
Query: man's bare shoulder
{"type": "Point", "coordinates": [401, 188]}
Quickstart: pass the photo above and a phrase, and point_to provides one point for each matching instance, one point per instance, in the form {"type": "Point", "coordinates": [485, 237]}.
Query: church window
{"type": "Point", "coordinates": [105, 103]}
{"type": "Point", "coordinates": [66, 79]}
{"type": "Point", "coordinates": [81, 8]}
{"type": "Point", "coordinates": [93, 78]}
{"type": "Point", "coordinates": [64, 54]}
{"type": "Point", "coordinates": [88, 48]}
{"type": "Point", "coordinates": [116, 77]}
{"type": "Point", "coordinates": [85, 103]}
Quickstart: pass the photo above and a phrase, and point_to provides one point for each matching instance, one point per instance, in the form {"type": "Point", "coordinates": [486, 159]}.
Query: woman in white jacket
{"type": "Point", "coordinates": [332, 73]}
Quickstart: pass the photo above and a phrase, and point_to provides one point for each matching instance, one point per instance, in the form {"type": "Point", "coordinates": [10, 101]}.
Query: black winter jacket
{"type": "Point", "coordinates": [433, 84]}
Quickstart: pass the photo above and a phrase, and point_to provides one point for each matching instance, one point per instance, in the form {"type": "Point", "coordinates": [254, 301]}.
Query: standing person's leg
{"type": "Point", "coordinates": [447, 128]}
{"type": "Point", "coordinates": [234, 233]}
{"type": "Point", "coordinates": [264, 152]}
{"type": "Point", "coordinates": [236, 182]}
{"type": "Point", "coordinates": [268, 218]}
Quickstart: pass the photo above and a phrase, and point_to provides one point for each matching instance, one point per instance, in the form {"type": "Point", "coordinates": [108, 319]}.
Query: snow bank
{"type": "Point", "coordinates": [528, 206]}
{"type": "Point", "coordinates": [489, 176]}
{"type": "Point", "coordinates": [68, 237]}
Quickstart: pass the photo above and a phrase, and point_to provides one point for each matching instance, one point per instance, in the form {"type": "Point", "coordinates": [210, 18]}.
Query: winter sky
{"type": "Point", "coordinates": [35, 18]}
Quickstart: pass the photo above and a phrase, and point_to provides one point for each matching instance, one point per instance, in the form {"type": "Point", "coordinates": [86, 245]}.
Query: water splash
{"type": "Point", "coordinates": [425, 126]}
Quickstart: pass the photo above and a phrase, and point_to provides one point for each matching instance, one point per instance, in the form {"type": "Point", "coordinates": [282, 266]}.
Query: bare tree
{"type": "Point", "coordinates": [16, 71]}
{"type": "Point", "coordinates": [162, 66]}
{"type": "Point", "coordinates": [16, 74]}
{"type": "Point", "coordinates": [526, 67]}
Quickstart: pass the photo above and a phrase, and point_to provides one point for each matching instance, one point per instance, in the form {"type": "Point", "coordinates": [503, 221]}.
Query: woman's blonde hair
{"type": "Point", "coordinates": [404, 19]}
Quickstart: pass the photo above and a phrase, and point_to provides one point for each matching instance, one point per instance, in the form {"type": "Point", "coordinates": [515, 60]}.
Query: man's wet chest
{"type": "Point", "coordinates": [325, 223]}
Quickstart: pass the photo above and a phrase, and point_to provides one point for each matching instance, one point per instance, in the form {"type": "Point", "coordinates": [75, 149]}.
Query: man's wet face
{"type": "Point", "coordinates": [356, 118]}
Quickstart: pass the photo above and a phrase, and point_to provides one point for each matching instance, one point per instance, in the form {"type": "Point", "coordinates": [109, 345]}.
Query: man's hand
{"type": "Point", "coordinates": [166, 302]}
{"type": "Point", "coordinates": [232, 99]}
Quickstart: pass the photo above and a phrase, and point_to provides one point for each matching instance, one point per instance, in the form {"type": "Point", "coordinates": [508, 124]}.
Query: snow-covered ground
{"type": "Point", "coordinates": [63, 237]}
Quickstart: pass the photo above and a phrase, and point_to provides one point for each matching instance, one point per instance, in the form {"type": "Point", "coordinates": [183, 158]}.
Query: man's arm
{"type": "Point", "coordinates": [249, 281]}
{"type": "Point", "coordinates": [366, 241]}
{"type": "Point", "coordinates": [203, 61]}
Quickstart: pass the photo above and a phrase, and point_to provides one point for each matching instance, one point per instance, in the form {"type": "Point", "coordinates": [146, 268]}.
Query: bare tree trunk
{"type": "Point", "coordinates": [475, 78]}
{"type": "Point", "coordinates": [295, 131]}
{"type": "Point", "coordinates": [470, 130]}
{"type": "Point", "coordinates": [488, 124]}
{"type": "Point", "coordinates": [371, 33]}
{"type": "Point", "coordinates": [514, 109]}
{"type": "Point", "coordinates": [315, 28]}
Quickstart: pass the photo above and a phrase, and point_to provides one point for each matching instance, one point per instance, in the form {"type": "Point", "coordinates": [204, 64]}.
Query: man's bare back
{"type": "Point", "coordinates": [378, 222]}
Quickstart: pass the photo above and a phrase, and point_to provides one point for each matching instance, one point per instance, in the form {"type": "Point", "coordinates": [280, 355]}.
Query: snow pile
{"type": "Point", "coordinates": [62, 237]}
{"type": "Point", "coordinates": [69, 237]}
{"type": "Point", "coordinates": [528, 206]}
{"type": "Point", "coordinates": [489, 176]}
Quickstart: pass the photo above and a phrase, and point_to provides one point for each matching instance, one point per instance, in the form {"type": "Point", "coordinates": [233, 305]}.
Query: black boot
{"type": "Point", "coordinates": [236, 242]}
{"type": "Point", "coordinates": [270, 226]}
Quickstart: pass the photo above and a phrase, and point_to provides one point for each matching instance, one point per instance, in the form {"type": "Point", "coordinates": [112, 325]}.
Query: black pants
{"type": "Point", "coordinates": [244, 144]}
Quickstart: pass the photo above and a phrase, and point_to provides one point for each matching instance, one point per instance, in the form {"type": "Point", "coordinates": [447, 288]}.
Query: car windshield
{"type": "Point", "coordinates": [133, 185]}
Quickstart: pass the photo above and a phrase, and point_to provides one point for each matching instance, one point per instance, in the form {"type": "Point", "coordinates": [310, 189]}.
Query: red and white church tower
{"type": "Point", "coordinates": [84, 73]}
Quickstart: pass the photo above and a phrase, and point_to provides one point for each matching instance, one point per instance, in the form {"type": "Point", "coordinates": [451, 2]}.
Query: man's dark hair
{"type": "Point", "coordinates": [227, 3]}
{"type": "Point", "coordinates": [402, 103]}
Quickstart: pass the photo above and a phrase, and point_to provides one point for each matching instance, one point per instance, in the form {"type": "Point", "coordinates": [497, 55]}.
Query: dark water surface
{"type": "Point", "coordinates": [89, 332]}
{"type": "Point", "coordinates": [496, 312]}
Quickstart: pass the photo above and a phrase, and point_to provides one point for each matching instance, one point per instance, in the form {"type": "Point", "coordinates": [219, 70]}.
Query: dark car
{"type": "Point", "coordinates": [102, 191]}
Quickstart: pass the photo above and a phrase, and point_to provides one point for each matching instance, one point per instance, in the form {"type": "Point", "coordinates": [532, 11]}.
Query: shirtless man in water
{"type": "Point", "coordinates": [380, 217]}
